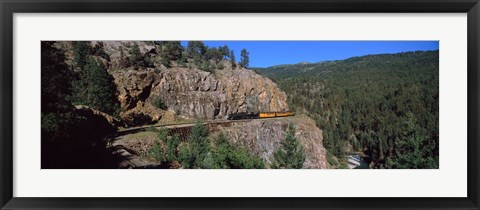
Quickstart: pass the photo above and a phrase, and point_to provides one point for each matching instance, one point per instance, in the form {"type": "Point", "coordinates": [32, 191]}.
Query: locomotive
{"type": "Point", "coordinates": [258, 115]}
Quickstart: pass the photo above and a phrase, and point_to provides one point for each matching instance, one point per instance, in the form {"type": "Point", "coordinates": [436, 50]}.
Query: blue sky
{"type": "Point", "coordinates": [270, 53]}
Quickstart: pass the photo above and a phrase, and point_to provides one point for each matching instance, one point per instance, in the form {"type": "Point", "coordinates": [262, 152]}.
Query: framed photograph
{"type": "Point", "coordinates": [239, 105]}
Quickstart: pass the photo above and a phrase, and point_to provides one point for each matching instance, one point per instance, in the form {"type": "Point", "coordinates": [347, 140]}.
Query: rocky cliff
{"type": "Point", "coordinates": [198, 94]}
{"type": "Point", "coordinates": [264, 137]}
{"type": "Point", "coordinates": [184, 92]}
{"type": "Point", "coordinates": [190, 92]}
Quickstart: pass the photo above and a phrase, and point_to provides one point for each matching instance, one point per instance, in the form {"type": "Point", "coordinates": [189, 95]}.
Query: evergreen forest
{"type": "Point", "coordinates": [384, 107]}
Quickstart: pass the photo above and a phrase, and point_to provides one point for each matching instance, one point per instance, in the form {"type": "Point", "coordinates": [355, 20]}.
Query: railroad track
{"type": "Point", "coordinates": [177, 126]}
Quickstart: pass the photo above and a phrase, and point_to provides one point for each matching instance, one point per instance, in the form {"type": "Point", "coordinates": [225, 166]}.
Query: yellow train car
{"type": "Point", "coordinates": [284, 114]}
{"type": "Point", "coordinates": [266, 114]}
{"type": "Point", "coordinates": [275, 114]}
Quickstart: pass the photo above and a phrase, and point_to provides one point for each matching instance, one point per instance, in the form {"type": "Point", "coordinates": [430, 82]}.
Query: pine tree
{"type": "Point", "coordinates": [206, 66]}
{"type": "Point", "coordinates": [221, 152]}
{"type": "Point", "coordinates": [410, 151]}
{"type": "Point", "coordinates": [172, 50]}
{"type": "Point", "coordinates": [182, 62]}
{"type": "Point", "coordinates": [55, 79]}
{"type": "Point", "coordinates": [158, 150]}
{"type": "Point", "coordinates": [137, 59]}
{"type": "Point", "coordinates": [199, 144]}
{"type": "Point", "coordinates": [171, 144]}
{"type": "Point", "coordinates": [185, 156]}
{"type": "Point", "coordinates": [224, 155]}
{"type": "Point", "coordinates": [164, 60]}
{"type": "Point", "coordinates": [291, 153]}
{"type": "Point", "coordinates": [224, 51]}
{"type": "Point", "coordinates": [196, 48]}
{"type": "Point", "coordinates": [135, 53]}
{"type": "Point", "coordinates": [165, 146]}
{"type": "Point", "coordinates": [244, 58]}
{"type": "Point", "coordinates": [81, 50]}
{"type": "Point", "coordinates": [232, 59]}
{"type": "Point", "coordinates": [101, 90]}
{"type": "Point", "coordinates": [56, 90]}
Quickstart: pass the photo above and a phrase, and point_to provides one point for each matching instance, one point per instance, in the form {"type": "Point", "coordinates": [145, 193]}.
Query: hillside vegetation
{"type": "Point", "coordinates": [383, 106]}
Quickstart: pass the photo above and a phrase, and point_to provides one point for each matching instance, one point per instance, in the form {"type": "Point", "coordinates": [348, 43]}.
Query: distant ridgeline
{"type": "Point", "coordinates": [383, 106]}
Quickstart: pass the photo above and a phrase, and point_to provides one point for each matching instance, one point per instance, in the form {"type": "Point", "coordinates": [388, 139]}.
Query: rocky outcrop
{"type": "Point", "coordinates": [190, 93]}
{"type": "Point", "coordinates": [186, 92]}
{"type": "Point", "coordinates": [264, 137]}
{"type": "Point", "coordinates": [113, 54]}
{"type": "Point", "coordinates": [194, 93]}
{"type": "Point", "coordinates": [119, 52]}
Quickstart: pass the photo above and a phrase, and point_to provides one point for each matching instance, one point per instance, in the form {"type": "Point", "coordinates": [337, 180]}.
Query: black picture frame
{"type": "Point", "coordinates": [9, 7]}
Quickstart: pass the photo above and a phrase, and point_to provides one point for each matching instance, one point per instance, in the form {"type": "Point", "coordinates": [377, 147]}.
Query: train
{"type": "Point", "coordinates": [258, 115]}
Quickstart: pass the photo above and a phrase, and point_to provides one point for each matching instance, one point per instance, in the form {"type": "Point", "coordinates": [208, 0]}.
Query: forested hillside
{"type": "Point", "coordinates": [383, 106]}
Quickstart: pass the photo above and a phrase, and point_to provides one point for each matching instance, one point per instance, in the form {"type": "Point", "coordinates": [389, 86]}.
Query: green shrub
{"type": "Point", "coordinates": [58, 127]}
{"type": "Point", "coordinates": [182, 62]}
{"type": "Point", "coordinates": [165, 146]}
{"type": "Point", "coordinates": [199, 144]}
{"type": "Point", "coordinates": [165, 61]}
{"type": "Point", "coordinates": [291, 154]}
{"type": "Point", "coordinates": [241, 158]}
{"type": "Point", "coordinates": [206, 66]}
{"type": "Point", "coordinates": [147, 62]}
{"type": "Point", "coordinates": [198, 153]}
{"type": "Point", "coordinates": [224, 155]}
{"type": "Point", "coordinates": [220, 66]}
{"type": "Point", "coordinates": [185, 156]}
{"type": "Point", "coordinates": [156, 152]}
{"type": "Point", "coordinates": [171, 147]}
{"type": "Point", "coordinates": [158, 103]}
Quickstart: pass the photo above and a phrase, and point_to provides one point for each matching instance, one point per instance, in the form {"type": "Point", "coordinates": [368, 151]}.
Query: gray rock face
{"type": "Point", "coordinates": [118, 50]}
{"type": "Point", "coordinates": [188, 92]}
{"type": "Point", "coordinates": [263, 136]}
{"type": "Point", "coordinates": [198, 94]}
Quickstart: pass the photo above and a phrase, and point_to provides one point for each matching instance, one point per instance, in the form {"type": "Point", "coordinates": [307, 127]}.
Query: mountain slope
{"type": "Point", "coordinates": [384, 106]}
{"type": "Point", "coordinates": [398, 61]}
